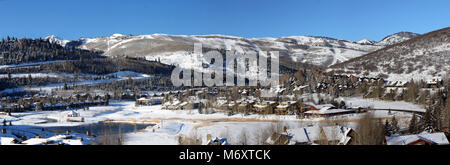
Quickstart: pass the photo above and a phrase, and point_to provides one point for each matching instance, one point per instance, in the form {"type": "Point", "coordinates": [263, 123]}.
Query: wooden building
{"type": "Point", "coordinates": [286, 107]}
{"type": "Point", "coordinates": [264, 107]}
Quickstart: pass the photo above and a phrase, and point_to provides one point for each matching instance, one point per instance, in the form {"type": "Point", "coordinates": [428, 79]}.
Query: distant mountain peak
{"type": "Point", "coordinates": [397, 38]}
{"type": "Point", "coordinates": [55, 39]}
{"type": "Point", "coordinates": [366, 41]}
{"type": "Point", "coordinates": [52, 38]}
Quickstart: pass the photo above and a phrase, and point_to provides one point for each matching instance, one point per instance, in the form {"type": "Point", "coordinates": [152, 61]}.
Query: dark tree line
{"type": "Point", "coordinates": [109, 65]}
{"type": "Point", "coordinates": [16, 51]}
{"type": "Point", "coordinates": [29, 81]}
{"type": "Point", "coordinates": [99, 66]}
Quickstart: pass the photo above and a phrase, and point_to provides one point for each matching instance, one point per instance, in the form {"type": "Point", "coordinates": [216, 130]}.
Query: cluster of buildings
{"type": "Point", "coordinates": [328, 135]}
{"type": "Point", "coordinates": [191, 102]}
{"type": "Point", "coordinates": [246, 104]}
{"type": "Point", "coordinates": [46, 102]}
{"type": "Point", "coordinates": [342, 82]}
{"type": "Point", "coordinates": [339, 135]}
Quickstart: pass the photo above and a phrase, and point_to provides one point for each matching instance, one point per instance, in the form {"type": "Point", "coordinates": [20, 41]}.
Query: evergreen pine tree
{"type": "Point", "coordinates": [428, 121]}
{"type": "Point", "coordinates": [413, 124]}
{"type": "Point", "coordinates": [387, 128]}
{"type": "Point", "coordinates": [395, 127]}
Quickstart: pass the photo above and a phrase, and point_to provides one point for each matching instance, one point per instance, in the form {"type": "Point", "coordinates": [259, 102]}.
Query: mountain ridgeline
{"type": "Point", "coordinates": [173, 49]}
{"type": "Point", "coordinates": [119, 52]}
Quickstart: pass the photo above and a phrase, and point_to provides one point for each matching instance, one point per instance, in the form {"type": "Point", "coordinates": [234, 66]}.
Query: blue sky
{"type": "Point", "coordinates": [344, 19]}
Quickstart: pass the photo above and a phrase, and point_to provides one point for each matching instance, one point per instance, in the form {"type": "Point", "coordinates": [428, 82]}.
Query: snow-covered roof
{"type": "Point", "coordinates": [437, 138]}
{"type": "Point", "coordinates": [6, 140]}
{"type": "Point", "coordinates": [292, 102]}
{"type": "Point", "coordinates": [200, 101]}
{"type": "Point", "coordinates": [222, 141]}
{"type": "Point", "coordinates": [73, 113]}
{"type": "Point", "coordinates": [58, 139]}
{"type": "Point", "coordinates": [259, 105]}
{"type": "Point", "coordinates": [434, 81]}
{"type": "Point", "coordinates": [35, 141]}
{"type": "Point", "coordinates": [174, 102]}
{"type": "Point", "coordinates": [277, 89]}
{"type": "Point", "coordinates": [221, 102]}
{"type": "Point", "coordinates": [243, 104]}
{"type": "Point", "coordinates": [183, 103]}
{"type": "Point", "coordinates": [142, 99]}
{"type": "Point", "coordinates": [297, 88]}
{"type": "Point", "coordinates": [327, 110]}
{"type": "Point", "coordinates": [311, 134]}
{"type": "Point", "coordinates": [309, 103]}
{"type": "Point", "coordinates": [283, 105]}
{"type": "Point", "coordinates": [324, 105]}
{"type": "Point", "coordinates": [401, 83]}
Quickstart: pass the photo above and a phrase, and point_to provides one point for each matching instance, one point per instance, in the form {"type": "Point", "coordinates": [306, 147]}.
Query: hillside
{"type": "Point", "coordinates": [39, 55]}
{"type": "Point", "coordinates": [38, 62]}
{"type": "Point", "coordinates": [396, 38]}
{"type": "Point", "coordinates": [17, 51]}
{"type": "Point", "coordinates": [424, 57]}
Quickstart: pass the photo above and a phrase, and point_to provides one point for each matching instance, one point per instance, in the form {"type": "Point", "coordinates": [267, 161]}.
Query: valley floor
{"type": "Point", "coordinates": [174, 127]}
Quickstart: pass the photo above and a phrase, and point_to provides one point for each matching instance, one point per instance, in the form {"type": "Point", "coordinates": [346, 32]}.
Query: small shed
{"type": "Point", "coordinates": [73, 114]}
{"type": "Point", "coordinates": [143, 101]}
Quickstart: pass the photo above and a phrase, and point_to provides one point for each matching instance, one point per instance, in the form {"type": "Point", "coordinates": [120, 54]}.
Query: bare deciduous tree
{"type": "Point", "coordinates": [370, 131]}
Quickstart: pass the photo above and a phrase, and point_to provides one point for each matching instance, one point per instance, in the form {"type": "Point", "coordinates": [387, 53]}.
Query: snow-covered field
{"type": "Point", "coordinates": [380, 104]}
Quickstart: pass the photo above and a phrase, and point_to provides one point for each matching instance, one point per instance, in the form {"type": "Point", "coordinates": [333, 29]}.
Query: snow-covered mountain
{"type": "Point", "coordinates": [57, 40]}
{"type": "Point", "coordinates": [171, 49]}
{"type": "Point", "coordinates": [366, 42]}
{"type": "Point", "coordinates": [424, 57]}
{"type": "Point", "coordinates": [396, 38]}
